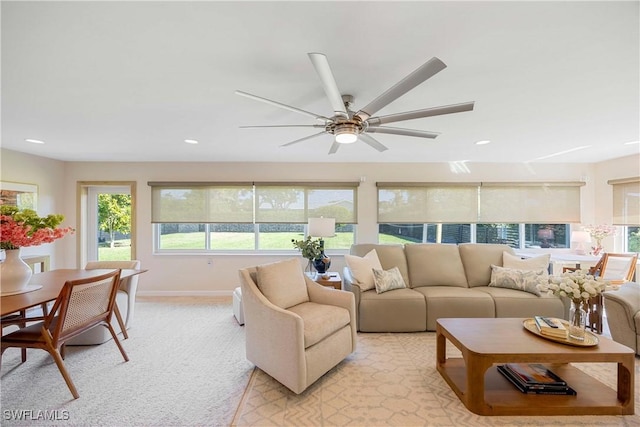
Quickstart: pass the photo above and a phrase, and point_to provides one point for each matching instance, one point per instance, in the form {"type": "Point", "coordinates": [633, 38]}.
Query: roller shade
{"type": "Point", "coordinates": [456, 203]}
{"type": "Point", "coordinates": [427, 203]}
{"type": "Point", "coordinates": [252, 202]}
{"type": "Point", "coordinates": [296, 203]}
{"type": "Point", "coordinates": [531, 203]}
{"type": "Point", "coordinates": [626, 201]}
{"type": "Point", "coordinates": [201, 202]}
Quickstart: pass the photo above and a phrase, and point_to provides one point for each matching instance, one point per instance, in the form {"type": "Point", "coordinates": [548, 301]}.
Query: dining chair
{"type": "Point", "coordinates": [81, 305]}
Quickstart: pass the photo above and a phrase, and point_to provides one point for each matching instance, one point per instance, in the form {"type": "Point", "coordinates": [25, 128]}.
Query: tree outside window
{"type": "Point", "coordinates": [114, 215]}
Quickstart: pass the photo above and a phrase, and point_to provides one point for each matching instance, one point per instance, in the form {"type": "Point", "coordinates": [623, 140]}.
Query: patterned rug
{"type": "Point", "coordinates": [391, 380]}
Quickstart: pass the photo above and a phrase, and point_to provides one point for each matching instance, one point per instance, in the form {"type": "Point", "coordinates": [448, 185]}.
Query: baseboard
{"type": "Point", "coordinates": [184, 293]}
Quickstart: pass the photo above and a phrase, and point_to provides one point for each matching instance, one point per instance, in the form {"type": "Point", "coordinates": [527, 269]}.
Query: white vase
{"type": "Point", "coordinates": [14, 272]}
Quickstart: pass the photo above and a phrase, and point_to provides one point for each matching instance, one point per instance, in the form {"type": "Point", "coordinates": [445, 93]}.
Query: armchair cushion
{"type": "Point", "coordinates": [320, 320]}
{"type": "Point", "coordinates": [282, 283]}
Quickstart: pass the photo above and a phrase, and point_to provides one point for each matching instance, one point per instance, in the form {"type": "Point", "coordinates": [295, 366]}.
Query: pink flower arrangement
{"type": "Point", "coordinates": [599, 232]}
{"type": "Point", "coordinates": [25, 228]}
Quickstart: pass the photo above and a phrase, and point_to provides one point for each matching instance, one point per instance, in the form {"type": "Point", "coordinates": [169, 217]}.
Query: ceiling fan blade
{"type": "Point", "coordinates": [303, 139]}
{"type": "Point", "coordinates": [369, 140]}
{"type": "Point", "coordinates": [281, 105]}
{"type": "Point", "coordinates": [425, 71]}
{"type": "Point", "coordinates": [334, 147]}
{"type": "Point", "coordinates": [404, 132]}
{"type": "Point", "coordinates": [281, 126]}
{"type": "Point", "coordinates": [321, 65]}
{"type": "Point", "coordinates": [418, 114]}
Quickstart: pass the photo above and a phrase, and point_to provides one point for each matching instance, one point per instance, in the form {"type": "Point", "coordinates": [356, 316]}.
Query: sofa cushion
{"type": "Point", "coordinates": [282, 283]}
{"type": "Point", "coordinates": [320, 320]}
{"type": "Point", "coordinates": [522, 280]}
{"type": "Point", "coordinates": [449, 301]}
{"type": "Point", "coordinates": [389, 255]}
{"type": "Point", "coordinates": [388, 280]}
{"type": "Point", "coordinates": [477, 259]}
{"type": "Point", "coordinates": [400, 310]}
{"type": "Point", "coordinates": [512, 303]}
{"type": "Point", "coordinates": [362, 269]}
{"type": "Point", "coordinates": [434, 265]}
{"type": "Point", "coordinates": [534, 263]}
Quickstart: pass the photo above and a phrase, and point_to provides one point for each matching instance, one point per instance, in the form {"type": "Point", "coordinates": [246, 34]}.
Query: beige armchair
{"type": "Point", "coordinates": [296, 330]}
{"type": "Point", "coordinates": [623, 315]}
{"type": "Point", "coordinates": [125, 300]}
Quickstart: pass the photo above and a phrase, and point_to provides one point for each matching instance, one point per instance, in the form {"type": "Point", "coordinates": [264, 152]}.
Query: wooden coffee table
{"type": "Point", "coordinates": [485, 343]}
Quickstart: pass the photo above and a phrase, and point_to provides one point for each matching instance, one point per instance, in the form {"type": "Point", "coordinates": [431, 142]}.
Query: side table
{"type": "Point", "coordinates": [334, 280]}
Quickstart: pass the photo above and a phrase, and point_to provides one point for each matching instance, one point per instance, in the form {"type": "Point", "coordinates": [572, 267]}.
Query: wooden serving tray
{"type": "Point", "coordinates": [590, 339]}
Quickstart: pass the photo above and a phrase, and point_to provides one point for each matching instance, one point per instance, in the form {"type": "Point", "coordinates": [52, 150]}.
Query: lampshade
{"type": "Point", "coordinates": [322, 227]}
{"type": "Point", "coordinates": [580, 237]}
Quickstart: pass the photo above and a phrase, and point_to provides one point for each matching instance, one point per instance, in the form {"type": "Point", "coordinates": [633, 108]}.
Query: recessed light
{"type": "Point", "coordinates": [190, 141]}
{"type": "Point", "coordinates": [632, 142]}
{"type": "Point", "coordinates": [483, 142]}
{"type": "Point", "coordinates": [34, 141]}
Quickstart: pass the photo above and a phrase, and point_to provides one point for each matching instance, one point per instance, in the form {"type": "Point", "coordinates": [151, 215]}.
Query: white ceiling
{"type": "Point", "coordinates": [125, 81]}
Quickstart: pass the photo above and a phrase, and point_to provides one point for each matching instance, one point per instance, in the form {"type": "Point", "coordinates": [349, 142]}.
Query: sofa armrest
{"type": "Point", "coordinates": [350, 284]}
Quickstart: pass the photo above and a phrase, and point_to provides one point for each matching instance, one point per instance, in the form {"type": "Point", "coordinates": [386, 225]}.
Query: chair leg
{"type": "Point", "coordinates": [116, 310]}
{"type": "Point", "coordinates": [61, 367]}
{"type": "Point", "coordinates": [117, 341]}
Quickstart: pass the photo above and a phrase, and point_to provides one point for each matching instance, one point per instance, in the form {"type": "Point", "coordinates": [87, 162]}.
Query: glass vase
{"type": "Point", "coordinates": [577, 320]}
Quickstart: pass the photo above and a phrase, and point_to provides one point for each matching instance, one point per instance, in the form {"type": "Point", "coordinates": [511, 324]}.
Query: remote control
{"type": "Point", "coordinates": [549, 322]}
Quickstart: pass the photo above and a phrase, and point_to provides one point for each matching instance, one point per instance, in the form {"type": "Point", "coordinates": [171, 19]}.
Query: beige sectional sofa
{"type": "Point", "coordinates": [442, 280]}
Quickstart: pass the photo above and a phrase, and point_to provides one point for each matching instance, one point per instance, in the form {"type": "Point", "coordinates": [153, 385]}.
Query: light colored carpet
{"type": "Point", "coordinates": [187, 367]}
{"type": "Point", "coordinates": [391, 380]}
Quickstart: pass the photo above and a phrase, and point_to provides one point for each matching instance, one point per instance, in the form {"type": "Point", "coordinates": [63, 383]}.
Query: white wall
{"type": "Point", "coordinates": [192, 274]}
{"type": "Point", "coordinates": [48, 175]}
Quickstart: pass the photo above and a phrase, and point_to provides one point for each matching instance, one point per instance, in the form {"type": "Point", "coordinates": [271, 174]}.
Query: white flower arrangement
{"type": "Point", "coordinates": [577, 285]}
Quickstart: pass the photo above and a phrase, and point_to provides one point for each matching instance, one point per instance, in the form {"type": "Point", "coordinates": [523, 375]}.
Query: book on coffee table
{"type": "Point", "coordinates": [535, 379]}
{"type": "Point", "coordinates": [550, 326]}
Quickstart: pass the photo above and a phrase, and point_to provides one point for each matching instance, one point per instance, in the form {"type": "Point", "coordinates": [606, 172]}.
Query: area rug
{"type": "Point", "coordinates": [391, 380]}
{"type": "Point", "coordinates": [187, 368]}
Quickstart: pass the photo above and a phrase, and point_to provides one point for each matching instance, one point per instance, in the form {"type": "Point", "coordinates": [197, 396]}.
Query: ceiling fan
{"type": "Point", "coordinates": [348, 126]}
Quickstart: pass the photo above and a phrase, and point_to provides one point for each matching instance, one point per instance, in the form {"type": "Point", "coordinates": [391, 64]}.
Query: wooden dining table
{"type": "Point", "coordinates": [52, 282]}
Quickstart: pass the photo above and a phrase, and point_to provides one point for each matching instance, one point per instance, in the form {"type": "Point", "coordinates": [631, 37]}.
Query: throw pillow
{"type": "Point", "coordinates": [534, 263]}
{"type": "Point", "coordinates": [362, 269]}
{"type": "Point", "coordinates": [282, 283]}
{"type": "Point", "coordinates": [388, 280]}
{"type": "Point", "coordinates": [521, 280]}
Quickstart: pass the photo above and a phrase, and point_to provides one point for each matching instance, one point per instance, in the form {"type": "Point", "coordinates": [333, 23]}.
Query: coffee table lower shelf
{"type": "Point", "coordinates": [502, 398]}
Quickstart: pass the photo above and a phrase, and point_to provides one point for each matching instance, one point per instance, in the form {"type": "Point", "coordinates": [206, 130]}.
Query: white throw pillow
{"type": "Point", "coordinates": [388, 280]}
{"type": "Point", "coordinates": [362, 269]}
{"type": "Point", "coordinates": [534, 263]}
{"type": "Point", "coordinates": [521, 280]}
{"type": "Point", "coordinates": [282, 283]}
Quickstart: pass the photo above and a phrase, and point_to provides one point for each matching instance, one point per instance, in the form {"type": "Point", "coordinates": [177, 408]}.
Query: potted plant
{"type": "Point", "coordinates": [313, 250]}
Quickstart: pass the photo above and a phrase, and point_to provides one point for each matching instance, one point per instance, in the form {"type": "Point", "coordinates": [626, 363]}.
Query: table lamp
{"type": "Point", "coordinates": [322, 227]}
{"type": "Point", "coordinates": [581, 239]}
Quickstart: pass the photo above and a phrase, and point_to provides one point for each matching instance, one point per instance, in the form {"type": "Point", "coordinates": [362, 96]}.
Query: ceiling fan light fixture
{"type": "Point", "coordinates": [346, 133]}
{"type": "Point", "coordinates": [346, 138]}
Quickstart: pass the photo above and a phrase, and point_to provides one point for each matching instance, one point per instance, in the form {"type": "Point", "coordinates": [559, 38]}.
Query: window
{"type": "Point", "coordinates": [202, 217]}
{"type": "Point", "coordinates": [517, 236]}
{"type": "Point", "coordinates": [521, 215]}
{"type": "Point", "coordinates": [632, 239]}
